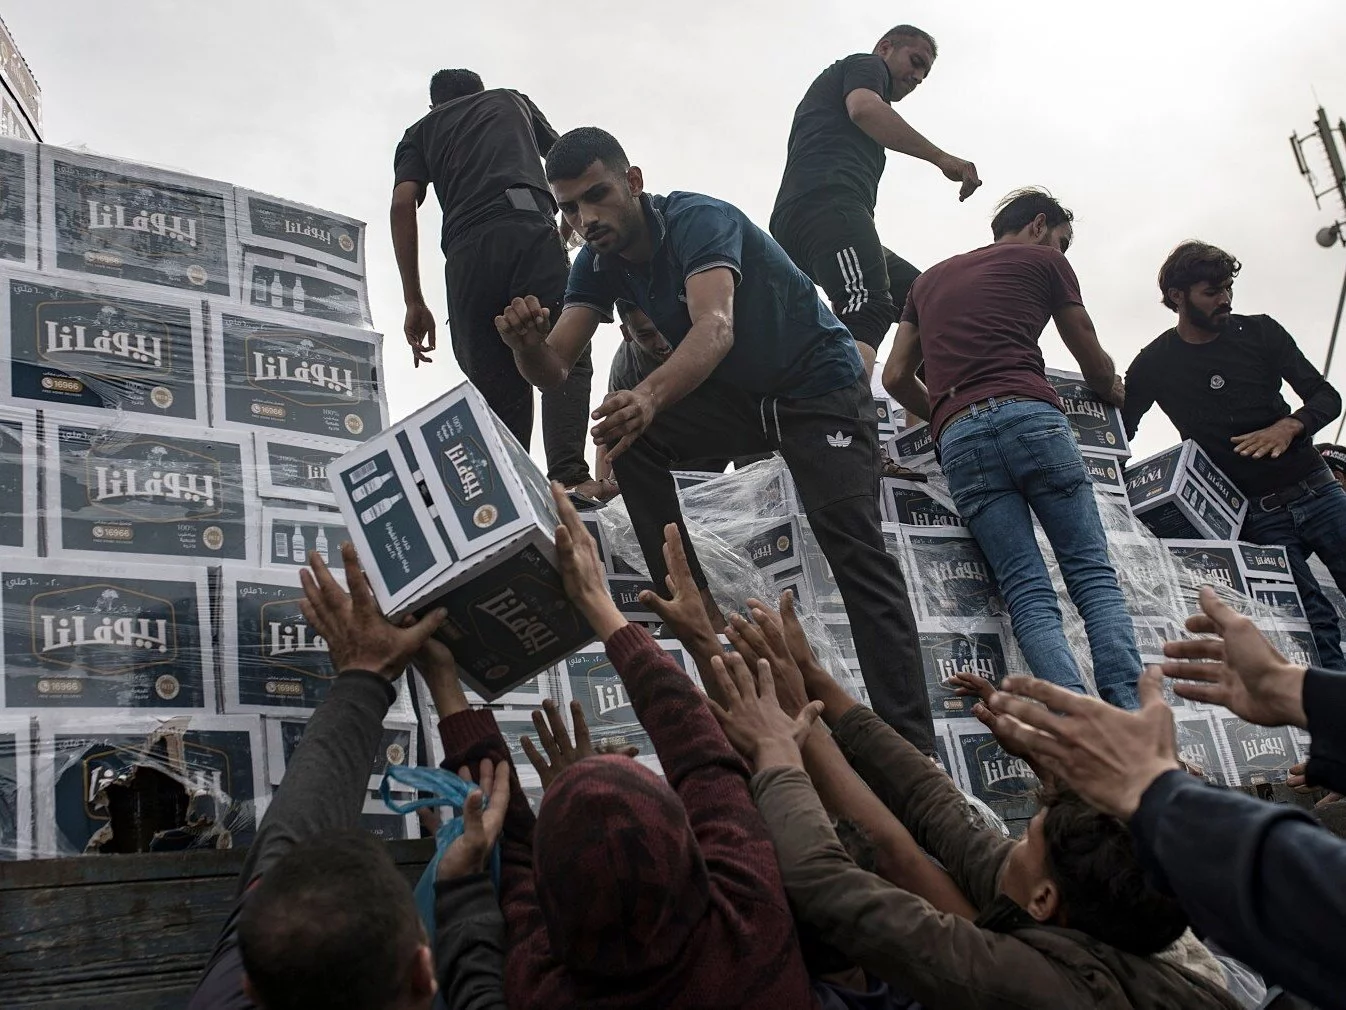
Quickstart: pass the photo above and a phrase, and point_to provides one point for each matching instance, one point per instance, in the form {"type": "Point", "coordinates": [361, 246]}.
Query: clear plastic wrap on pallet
{"type": "Point", "coordinates": [295, 229]}
{"type": "Point", "coordinates": [143, 783]}
{"type": "Point", "coordinates": [102, 217]}
{"type": "Point", "coordinates": [18, 203]}
{"type": "Point", "coordinates": [724, 517]}
{"type": "Point", "coordinates": [311, 292]}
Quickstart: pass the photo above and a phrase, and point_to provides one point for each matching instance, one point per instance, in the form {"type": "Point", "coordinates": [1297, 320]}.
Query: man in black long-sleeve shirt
{"type": "Point", "coordinates": [1218, 377]}
{"type": "Point", "coordinates": [1263, 898]}
{"type": "Point", "coordinates": [321, 908]}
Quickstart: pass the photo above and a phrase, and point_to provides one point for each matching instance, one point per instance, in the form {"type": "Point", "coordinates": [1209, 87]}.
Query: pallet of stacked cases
{"type": "Point", "coordinates": [142, 490]}
{"type": "Point", "coordinates": [918, 503]}
{"type": "Point", "coordinates": [139, 783]}
{"type": "Point", "coordinates": [102, 349]}
{"type": "Point", "coordinates": [16, 787]}
{"type": "Point", "coordinates": [99, 636]}
{"type": "Point", "coordinates": [293, 468]}
{"type": "Point", "coordinates": [18, 208]}
{"type": "Point", "coordinates": [107, 218]}
{"type": "Point", "coordinates": [1180, 494]}
{"type": "Point", "coordinates": [285, 286]}
{"type": "Point", "coordinates": [19, 464]}
{"type": "Point", "coordinates": [289, 228]}
{"type": "Point", "coordinates": [289, 534]}
{"type": "Point", "coordinates": [1096, 424]}
{"type": "Point", "coordinates": [949, 577]}
{"type": "Point", "coordinates": [449, 511]}
{"type": "Point", "coordinates": [300, 376]}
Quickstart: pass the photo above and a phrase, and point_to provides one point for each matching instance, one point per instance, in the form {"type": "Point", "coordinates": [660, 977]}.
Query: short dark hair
{"type": "Point", "coordinates": [1194, 262]}
{"type": "Point", "coordinates": [1104, 888]}
{"type": "Point", "coordinates": [1016, 211]}
{"type": "Point", "coordinates": [447, 85]}
{"type": "Point", "coordinates": [910, 32]}
{"type": "Point", "coordinates": [333, 924]}
{"type": "Point", "coordinates": [577, 150]}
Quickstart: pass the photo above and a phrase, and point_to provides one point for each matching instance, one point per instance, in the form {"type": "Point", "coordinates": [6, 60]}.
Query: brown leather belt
{"type": "Point", "coordinates": [987, 404]}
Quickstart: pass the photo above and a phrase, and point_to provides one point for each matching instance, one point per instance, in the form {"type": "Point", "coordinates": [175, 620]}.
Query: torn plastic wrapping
{"type": "Point", "coordinates": [724, 516]}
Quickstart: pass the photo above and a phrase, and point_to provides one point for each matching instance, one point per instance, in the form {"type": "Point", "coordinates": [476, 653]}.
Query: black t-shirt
{"type": "Point", "coordinates": [473, 149]}
{"type": "Point", "coordinates": [827, 150]}
{"type": "Point", "coordinates": [1232, 386]}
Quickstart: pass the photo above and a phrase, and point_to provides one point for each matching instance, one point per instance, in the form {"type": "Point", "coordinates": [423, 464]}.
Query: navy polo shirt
{"type": "Point", "coordinates": [786, 341]}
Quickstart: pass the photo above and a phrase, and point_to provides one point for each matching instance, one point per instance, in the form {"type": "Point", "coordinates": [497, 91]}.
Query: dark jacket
{"type": "Point", "coordinates": [726, 939]}
{"type": "Point", "coordinates": [1273, 897]}
{"type": "Point", "coordinates": [1005, 958]}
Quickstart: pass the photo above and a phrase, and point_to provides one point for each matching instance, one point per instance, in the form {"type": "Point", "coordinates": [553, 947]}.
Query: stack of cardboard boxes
{"type": "Point", "coordinates": [166, 421]}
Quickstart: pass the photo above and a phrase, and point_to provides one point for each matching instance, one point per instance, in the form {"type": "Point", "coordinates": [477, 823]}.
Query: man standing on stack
{"type": "Point", "coordinates": [824, 213]}
{"type": "Point", "coordinates": [482, 150]}
{"type": "Point", "coordinates": [771, 367]}
{"type": "Point", "coordinates": [1002, 439]}
{"type": "Point", "coordinates": [1218, 378]}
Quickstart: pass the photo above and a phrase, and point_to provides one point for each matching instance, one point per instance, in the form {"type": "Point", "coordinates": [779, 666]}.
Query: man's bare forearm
{"type": "Point", "coordinates": [892, 131]}
{"type": "Point", "coordinates": [406, 242]}
{"type": "Point", "coordinates": [911, 393]}
{"type": "Point", "coordinates": [691, 363]}
{"type": "Point", "coordinates": [541, 365]}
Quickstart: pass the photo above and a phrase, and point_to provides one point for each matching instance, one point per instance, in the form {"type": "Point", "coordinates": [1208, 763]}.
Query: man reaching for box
{"type": "Point", "coordinates": [746, 323]}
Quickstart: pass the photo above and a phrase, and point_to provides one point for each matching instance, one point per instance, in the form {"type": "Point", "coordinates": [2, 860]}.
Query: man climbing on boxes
{"type": "Point", "coordinates": [1218, 377]}
{"type": "Point", "coordinates": [482, 151]}
{"type": "Point", "coordinates": [843, 129]}
{"type": "Point", "coordinates": [745, 325]}
{"type": "Point", "coordinates": [1003, 441]}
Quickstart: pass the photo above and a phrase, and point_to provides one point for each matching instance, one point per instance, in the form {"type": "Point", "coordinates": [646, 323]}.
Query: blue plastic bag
{"type": "Point", "coordinates": [445, 790]}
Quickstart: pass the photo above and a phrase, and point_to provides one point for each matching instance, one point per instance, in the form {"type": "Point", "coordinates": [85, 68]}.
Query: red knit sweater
{"type": "Point", "coordinates": [742, 952]}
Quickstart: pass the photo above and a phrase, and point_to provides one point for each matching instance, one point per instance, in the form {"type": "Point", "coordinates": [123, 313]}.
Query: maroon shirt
{"type": "Point", "coordinates": [980, 316]}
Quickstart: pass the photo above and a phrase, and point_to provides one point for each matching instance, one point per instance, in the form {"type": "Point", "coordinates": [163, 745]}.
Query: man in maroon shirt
{"type": "Point", "coordinates": [1002, 439]}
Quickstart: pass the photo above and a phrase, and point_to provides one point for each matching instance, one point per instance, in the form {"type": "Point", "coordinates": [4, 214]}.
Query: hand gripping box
{"type": "Point", "coordinates": [93, 635]}
{"type": "Point", "coordinates": [447, 510]}
{"type": "Point", "coordinates": [102, 348]}
{"type": "Point", "coordinates": [142, 490]}
{"type": "Point", "coordinates": [1096, 424]}
{"type": "Point", "coordinates": [1180, 493]}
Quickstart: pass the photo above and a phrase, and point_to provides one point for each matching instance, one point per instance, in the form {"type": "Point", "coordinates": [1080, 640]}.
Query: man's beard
{"type": "Point", "coordinates": [1210, 323]}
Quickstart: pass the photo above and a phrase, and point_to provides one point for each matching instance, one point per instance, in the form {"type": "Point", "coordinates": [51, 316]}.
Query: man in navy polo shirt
{"type": "Point", "coordinates": [747, 324]}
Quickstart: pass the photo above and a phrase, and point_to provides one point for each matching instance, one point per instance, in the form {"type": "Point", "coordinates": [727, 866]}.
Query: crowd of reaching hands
{"type": "Point", "coordinates": [797, 851]}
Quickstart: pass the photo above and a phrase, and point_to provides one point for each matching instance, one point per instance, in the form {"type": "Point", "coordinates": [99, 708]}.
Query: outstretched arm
{"type": "Point", "coordinates": [881, 121]}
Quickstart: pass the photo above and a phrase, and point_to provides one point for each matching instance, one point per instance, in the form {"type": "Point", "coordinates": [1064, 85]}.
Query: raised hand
{"type": "Point", "coordinates": [1106, 754]}
{"type": "Point", "coordinates": [764, 638]}
{"type": "Point", "coordinates": [1240, 670]}
{"type": "Point", "coordinates": [582, 572]}
{"type": "Point", "coordinates": [482, 822]}
{"type": "Point", "coordinates": [524, 323]}
{"type": "Point", "coordinates": [752, 718]}
{"type": "Point", "coordinates": [358, 636]}
{"type": "Point", "coordinates": [684, 612]}
{"type": "Point", "coordinates": [561, 753]}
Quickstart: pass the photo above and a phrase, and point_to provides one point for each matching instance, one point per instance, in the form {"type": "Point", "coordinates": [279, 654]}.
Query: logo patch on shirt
{"type": "Point", "coordinates": [1216, 381]}
{"type": "Point", "coordinates": [838, 441]}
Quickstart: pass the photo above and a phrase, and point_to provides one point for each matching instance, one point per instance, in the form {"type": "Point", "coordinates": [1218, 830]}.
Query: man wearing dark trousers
{"type": "Point", "coordinates": [482, 151]}
{"type": "Point", "coordinates": [747, 325]}
{"type": "Point", "coordinates": [824, 213]}
{"type": "Point", "coordinates": [1218, 378]}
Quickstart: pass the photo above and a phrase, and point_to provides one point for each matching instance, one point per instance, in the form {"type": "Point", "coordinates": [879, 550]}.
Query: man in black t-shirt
{"type": "Point", "coordinates": [1218, 378]}
{"type": "Point", "coordinates": [482, 150]}
{"type": "Point", "coordinates": [824, 213]}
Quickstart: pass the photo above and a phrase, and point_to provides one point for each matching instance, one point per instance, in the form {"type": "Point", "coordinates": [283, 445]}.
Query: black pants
{"type": "Point", "coordinates": [835, 242]}
{"type": "Point", "coordinates": [829, 443]}
{"type": "Point", "coordinates": [515, 254]}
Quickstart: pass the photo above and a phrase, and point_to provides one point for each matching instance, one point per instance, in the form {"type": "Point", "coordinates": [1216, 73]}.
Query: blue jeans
{"type": "Point", "coordinates": [1315, 524]}
{"type": "Point", "coordinates": [1007, 463]}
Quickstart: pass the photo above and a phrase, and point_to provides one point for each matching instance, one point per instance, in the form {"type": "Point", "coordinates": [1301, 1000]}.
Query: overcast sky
{"type": "Point", "coordinates": [1154, 121]}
